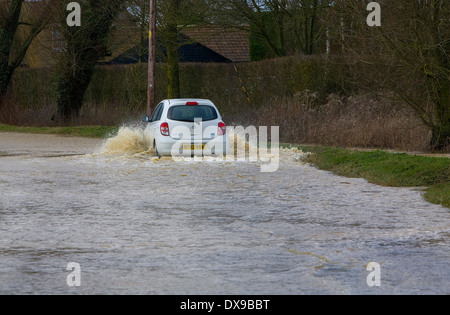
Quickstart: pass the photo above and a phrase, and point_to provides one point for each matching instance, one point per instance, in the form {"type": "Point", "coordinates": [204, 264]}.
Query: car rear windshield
{"type": "Point", "coordinates": [190, 113]}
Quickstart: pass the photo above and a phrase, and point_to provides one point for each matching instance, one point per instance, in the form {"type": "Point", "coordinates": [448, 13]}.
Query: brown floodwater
{"type": "Point", "coordinates": [137, 224]}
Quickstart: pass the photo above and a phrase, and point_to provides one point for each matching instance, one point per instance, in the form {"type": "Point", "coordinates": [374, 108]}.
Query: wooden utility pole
{"type": "Point", "coordinates": [151, 58]}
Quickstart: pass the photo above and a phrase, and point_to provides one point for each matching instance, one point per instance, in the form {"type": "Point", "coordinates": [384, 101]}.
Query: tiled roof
{"type": "Point", "coordinates": [232, 44]}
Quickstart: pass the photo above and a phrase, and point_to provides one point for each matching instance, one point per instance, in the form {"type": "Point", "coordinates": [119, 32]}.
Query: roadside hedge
{"type": "Point", "coordinates": [123, 88]}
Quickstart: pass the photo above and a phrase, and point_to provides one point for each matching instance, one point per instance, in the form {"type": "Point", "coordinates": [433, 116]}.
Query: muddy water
{"type": "Point", "coordinates": [140, 225]}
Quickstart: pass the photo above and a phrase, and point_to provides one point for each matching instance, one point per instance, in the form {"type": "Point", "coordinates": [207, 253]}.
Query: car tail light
{"type": "Point", "coordinates": [222, 129]}
{"type": "Point", "coordinates": [165, 129]}
{"type": "Point", "coordinates": [191, 103]}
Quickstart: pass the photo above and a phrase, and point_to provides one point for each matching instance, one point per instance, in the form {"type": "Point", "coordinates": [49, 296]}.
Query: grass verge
{"type": "Point", "coordinates": [78, 131]}
{"type": "Point", "coordinates": [387, 169]}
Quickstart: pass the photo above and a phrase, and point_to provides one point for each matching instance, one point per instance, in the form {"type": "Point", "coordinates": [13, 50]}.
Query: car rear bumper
{"type": "Point", "coordinates": [168, 146]}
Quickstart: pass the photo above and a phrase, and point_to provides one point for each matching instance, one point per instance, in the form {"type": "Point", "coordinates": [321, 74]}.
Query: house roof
{"type": "Point", "coordinates": [188, 52]}
{"type": "Point", "coordinates": [198, 44]}
{"type": "Point", "coordinates": [233, 44]}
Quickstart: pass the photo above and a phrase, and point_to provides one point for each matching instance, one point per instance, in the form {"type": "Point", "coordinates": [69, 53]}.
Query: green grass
{"type": "Point", "coordinates": [387, 169]}
{"type": "Point", "coordinates": [79, 131]}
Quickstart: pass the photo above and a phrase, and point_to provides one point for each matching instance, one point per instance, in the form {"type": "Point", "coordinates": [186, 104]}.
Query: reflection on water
{"type": "Point", "coordinates": [138, 224]}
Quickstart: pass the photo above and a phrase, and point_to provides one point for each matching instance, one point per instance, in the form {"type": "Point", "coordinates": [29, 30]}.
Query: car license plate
{"type": "Point", "coordinates": [193, 147]}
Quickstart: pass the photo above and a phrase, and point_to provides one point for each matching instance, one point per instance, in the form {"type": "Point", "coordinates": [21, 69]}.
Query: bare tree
{"type": "Point", "coordinates": [139, 10]}
{"type": "Point", "coordinates": [12, 48]}
{"type": "Point", "coordinates": [409, 56]}
{"type": "Point", "coordinates": [85, 45]}
{"type": "Point", "coordinates": [286, 27]}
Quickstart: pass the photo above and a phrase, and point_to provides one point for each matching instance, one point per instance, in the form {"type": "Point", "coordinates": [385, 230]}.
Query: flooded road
{"type": "Point", "coordinates": [136, 224]}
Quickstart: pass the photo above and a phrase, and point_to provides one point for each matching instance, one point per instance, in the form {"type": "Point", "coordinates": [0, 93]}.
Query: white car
{"type": "Point", "coordinates": [186, 127]}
